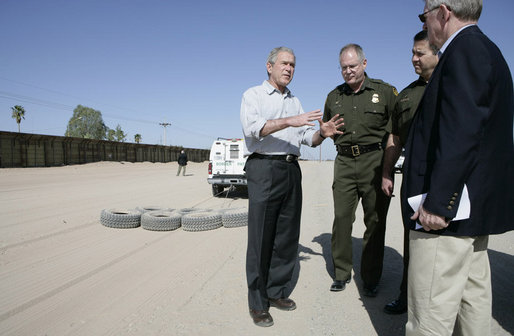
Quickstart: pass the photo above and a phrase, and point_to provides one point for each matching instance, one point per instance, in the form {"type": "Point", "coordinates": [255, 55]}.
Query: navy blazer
{"type": "Point", "coordinates": [463, 134]}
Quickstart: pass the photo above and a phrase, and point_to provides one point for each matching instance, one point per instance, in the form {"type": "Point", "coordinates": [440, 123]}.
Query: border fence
{"type": "Point", "coordinates": [37, 150]}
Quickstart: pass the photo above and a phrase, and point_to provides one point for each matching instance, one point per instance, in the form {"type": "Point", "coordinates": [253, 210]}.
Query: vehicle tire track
{"type": "Point", "coordinates": [75, 281]}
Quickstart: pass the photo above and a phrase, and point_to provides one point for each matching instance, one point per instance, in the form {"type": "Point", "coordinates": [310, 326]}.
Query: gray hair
{"type": "Point", "coordinates": [357, 48]}
{"type": "Point", "coordinates": [467, 10]}
{"type": "Point", "coordinates": [423, 36]}
{"type": "Point", "coordinates": [272, 57]}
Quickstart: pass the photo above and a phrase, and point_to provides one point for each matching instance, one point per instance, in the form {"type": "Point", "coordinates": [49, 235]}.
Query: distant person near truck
{"type": "Point", "coordinates": [182, 163]}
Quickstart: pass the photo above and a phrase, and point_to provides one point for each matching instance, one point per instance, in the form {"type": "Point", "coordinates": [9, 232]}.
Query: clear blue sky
{"type": "Point", "coordinates": [141, 62]}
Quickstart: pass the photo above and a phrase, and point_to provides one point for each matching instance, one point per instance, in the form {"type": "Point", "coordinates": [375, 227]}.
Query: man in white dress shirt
{"type": "Point", "coordinates": [275, 126]}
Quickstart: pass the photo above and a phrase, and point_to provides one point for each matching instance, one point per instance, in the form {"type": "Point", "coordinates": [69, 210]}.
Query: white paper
{"type": "Point", "coordinates": [463, 210]}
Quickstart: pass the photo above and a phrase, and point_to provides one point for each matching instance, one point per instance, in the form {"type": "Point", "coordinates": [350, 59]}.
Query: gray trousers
{"type": "Point", "coordinates": [275, 204]}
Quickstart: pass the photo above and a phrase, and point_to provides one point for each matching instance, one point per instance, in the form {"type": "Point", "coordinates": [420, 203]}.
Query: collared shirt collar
{"type": "Point", "coordinates": [422, 81]}
{"type": "Point", "coordinates": [450, 39]}
{"type": "Point", "coordinates": [270, 89]}
{"type": "Point", "coordinates": [366, 84]}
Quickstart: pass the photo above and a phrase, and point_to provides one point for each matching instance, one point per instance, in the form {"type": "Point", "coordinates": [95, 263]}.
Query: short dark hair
{"type": "Point", "coordinates": [423, 36]}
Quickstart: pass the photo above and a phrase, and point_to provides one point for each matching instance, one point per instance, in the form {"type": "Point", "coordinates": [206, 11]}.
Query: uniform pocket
{"type": "Point", "coordinates": [376, 115]}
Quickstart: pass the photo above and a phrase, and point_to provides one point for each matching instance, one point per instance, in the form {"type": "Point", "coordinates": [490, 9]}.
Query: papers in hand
{"type": "Point", "coordinates": [462, 212]}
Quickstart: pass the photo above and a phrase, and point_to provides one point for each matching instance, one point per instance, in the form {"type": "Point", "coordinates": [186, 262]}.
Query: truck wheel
{"type": "Point", "coordinates": [201, 221]}
{"type": "Point", "coordinates": [120, 219]}
{"type": "Point", "coordinates": [217, 189]}
{"type": "Point", "coordinates": [234, 218]}
{"type": "Point", "coordinates": [160, 220]}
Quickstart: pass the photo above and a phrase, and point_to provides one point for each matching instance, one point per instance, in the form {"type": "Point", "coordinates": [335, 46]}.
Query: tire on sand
{"type": "Point", "coordinates": [160, 220]}
{"type": "Point", "coordinates": [185, 211]}
{"type": "Point", "coordinates": [120, 218]}
{"type": "Point", "coordinates": [234, 217]}
{"type": "Point", "coordinates": [201, 221]}
{"type": "Point", "coordinates": [151, 208]}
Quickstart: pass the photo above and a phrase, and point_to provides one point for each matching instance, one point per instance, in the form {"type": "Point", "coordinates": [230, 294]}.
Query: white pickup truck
{"type": "Point", "coordinates": [226, 164]}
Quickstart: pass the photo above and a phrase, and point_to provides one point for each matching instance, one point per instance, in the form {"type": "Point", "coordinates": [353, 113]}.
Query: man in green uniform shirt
{"type": "Point", "coordinates": [366, 105]}
{"type": "Point", "coordinates": [424, 60]}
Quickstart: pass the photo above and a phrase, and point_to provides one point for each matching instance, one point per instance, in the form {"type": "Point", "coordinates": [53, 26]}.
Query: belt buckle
{"type": "Point", "coordinates": [355, 150]}
{"type": "Point", "coordinates": [289, 158]}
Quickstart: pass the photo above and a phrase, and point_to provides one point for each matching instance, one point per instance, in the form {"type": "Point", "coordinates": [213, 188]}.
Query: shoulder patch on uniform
{"type": "Point", "coordinates": [381, 82]}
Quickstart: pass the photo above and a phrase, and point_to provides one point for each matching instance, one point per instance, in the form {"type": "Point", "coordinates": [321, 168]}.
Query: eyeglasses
{"type": "Point", "coordinates": [423, 18]}
{"type": "Point", "coordinates": [351, 67]}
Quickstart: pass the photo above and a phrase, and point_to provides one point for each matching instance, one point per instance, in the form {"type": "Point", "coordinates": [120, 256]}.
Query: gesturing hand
{"type": "Point", "coordinates": [330, 128]}
{"type": "Point", "coordinates": [305, 119]}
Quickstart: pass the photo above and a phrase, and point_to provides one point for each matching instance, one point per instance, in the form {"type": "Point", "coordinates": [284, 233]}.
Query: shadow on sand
{"type": "Point", "coordinates": [502, 269]}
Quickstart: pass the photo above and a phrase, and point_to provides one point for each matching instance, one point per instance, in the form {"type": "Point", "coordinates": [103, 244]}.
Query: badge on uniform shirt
{"type": "Point", "coordinates": [375, 98]}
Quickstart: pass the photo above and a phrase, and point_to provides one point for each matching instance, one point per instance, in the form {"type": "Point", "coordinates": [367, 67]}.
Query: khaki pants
{"type": "Point", "coordinates": [183, 168]}
{"type": "Point", "coordinates": [449, 288]}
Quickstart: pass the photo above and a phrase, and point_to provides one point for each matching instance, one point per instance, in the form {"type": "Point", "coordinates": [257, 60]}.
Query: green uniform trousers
{"type": "Point", "coordinates": [359, 178]}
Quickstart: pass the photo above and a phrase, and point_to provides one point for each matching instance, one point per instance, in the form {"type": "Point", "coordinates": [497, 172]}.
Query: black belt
{"type": "Point", "coordinates": [288, 157]}
{"type": "Point", "coordinates": [356, 150]}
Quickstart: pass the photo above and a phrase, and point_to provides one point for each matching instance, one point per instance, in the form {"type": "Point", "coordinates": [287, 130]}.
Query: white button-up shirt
{"type": "Point", "coordinates": [262, 103]}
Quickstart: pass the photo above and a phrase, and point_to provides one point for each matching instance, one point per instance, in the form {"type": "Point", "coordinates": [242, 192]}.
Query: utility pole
{"type": "Point", "coordinates": [164, 125]}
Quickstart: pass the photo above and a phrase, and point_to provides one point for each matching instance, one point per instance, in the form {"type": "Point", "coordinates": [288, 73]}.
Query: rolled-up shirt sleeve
{"type": "Point", "coordinates": [308, 134]}
{"type": "Point", "coordinates": [262, 103]}
{"type": "Point", "coordinates": [252, 120]}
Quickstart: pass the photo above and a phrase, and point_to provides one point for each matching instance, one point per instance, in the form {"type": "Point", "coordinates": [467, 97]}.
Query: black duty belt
{"type": "Point", "coordinates": [356, 150]}
{"type": "Point", "coordinates": [288, 157]}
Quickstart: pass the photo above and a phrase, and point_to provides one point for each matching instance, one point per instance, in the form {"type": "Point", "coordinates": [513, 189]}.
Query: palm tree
{"type": "Point", "coordinates": [18, 113]}
{"type": "Point", "coordinates": [137, 138]}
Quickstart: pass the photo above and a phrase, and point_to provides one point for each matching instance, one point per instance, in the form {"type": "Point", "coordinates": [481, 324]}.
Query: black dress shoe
{"type": "Point", "coordinates": [261, 318]}
{"type": "Point", "coordinates": [396, 307]}
{"type": "Point", "coordinates": [339, 285]}
{"type": "Point", "coordinates": [370, 291]}
{"type": "Point", "coordinates": [283, 304]}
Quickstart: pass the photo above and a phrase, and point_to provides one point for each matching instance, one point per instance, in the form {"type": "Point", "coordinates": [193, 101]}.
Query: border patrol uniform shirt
{"type": "Point", "coordinates": [366, 113]}
{"type": "Point", "coordinates": [262, 103]}
{"type": "Point", "coordinates": [405, 108]}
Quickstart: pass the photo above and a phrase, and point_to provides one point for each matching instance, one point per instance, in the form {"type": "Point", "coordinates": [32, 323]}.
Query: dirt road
{"type": "Point", "coordinates": [63, 273]}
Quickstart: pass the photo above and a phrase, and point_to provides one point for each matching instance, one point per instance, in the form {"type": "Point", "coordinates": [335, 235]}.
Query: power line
{"type": "Point", "coordinates": [64, 107]}
{"type": "Point", "coordinates": [64, 94]}
{"type": "Point", "coordinates": [35, 101]}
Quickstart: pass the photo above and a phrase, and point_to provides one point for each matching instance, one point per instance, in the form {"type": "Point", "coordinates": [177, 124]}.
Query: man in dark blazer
{"type": "Point", "coordinates": [459, 153]}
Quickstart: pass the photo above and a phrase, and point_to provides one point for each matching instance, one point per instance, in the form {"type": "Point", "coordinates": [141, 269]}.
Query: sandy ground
{"type": "Point", "coordinates": [63, 273]}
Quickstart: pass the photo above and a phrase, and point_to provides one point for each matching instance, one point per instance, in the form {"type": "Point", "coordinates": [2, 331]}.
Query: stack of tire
{"type": "Point", "coordinates": [156, 219]}
{"type": "Point", "coordinates": [163, 219]}
{"type": "Point", "coordinates": [120, 218]}
{"type": "Point", "coordinates": [232, 218]}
